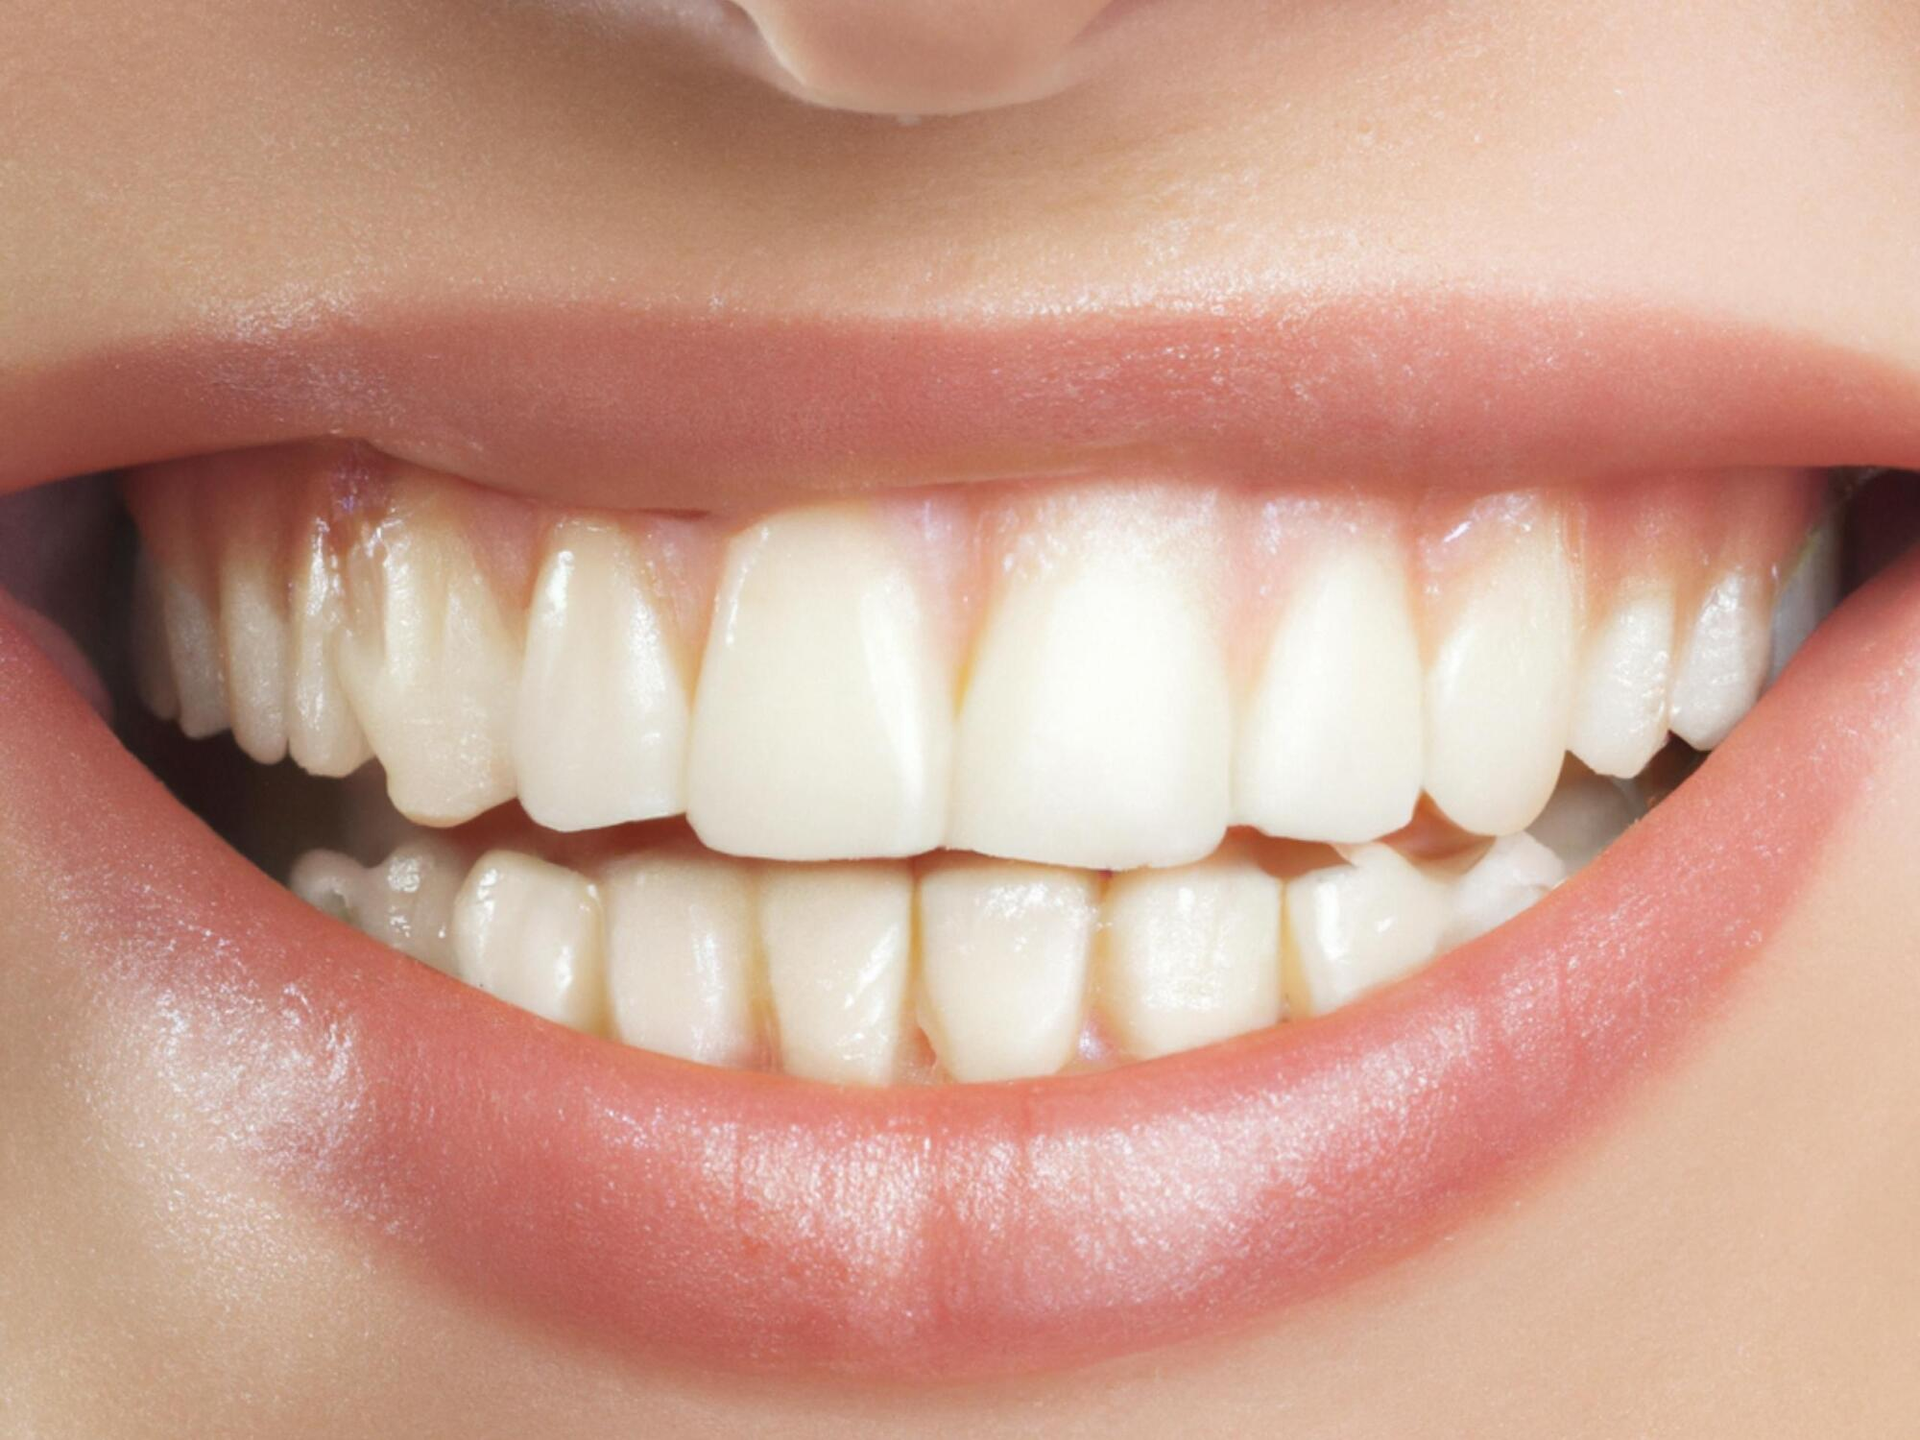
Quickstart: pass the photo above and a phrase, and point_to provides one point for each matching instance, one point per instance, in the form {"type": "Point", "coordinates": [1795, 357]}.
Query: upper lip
{"type": "Point", "coordinates": [601, 404]}
{"type": "Point", "coordinates": [739, 1219]}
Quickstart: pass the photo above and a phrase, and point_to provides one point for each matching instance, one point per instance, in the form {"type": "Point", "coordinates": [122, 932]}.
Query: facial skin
{"type": "Point", "coordinates": [1728, 1252]}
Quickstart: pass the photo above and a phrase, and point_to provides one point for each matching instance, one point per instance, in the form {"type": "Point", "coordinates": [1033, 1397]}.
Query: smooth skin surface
{"type": "Point", "coordinates": [1731, 1253]}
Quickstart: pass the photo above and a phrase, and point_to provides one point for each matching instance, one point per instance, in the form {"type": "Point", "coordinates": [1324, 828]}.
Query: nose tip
{"type": "Point", "coordinates": [920, 56]}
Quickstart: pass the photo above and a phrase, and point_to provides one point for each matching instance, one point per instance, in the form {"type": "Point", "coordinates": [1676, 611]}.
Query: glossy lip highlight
{"type": "Point", "coordinates": [731, 411]}
{"type": "Point", "coordinates": [752, 1222]}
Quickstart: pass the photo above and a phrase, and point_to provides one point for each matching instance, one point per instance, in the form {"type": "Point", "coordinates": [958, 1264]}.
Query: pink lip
{"type": "Point", "coordinates": [597, 404]}
{"type": "Point", "coordinates": [755, 1222]}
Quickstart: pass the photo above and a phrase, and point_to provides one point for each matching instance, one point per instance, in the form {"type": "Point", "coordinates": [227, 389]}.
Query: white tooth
{"type": "Point", "coordinates": [601, 733]}
{"type": "Point", "coordinates": [1096, 730]}
{"type": "Point", "coordinates": [1355, 926]}
{"type": "Point", "coordinates": [1190, 956]}
{"type": "Point", "coordinates": [1620, 704]}
{"type": "Point", "coordinates": [1003, 954]}
{"type": "Point", "coordinates": [258, 643]}
{"type": "Point", "coordinates": [1330, 745]}
{"type": "Point", "coordinates": [406, 902]}
{"type": "Point", "coordinates": [839, 946]}
{"type": "Point", "coordinates": [322, 734]}
{"type": "Point", "coordinates": [681, 955]}
{"type": "Point", "coordinates": [1500, 687]}
{"type": "Point", "coordinates": [1811, 591]}
{"type": "Point", "coordinates": [329, 882]}
{"type": "Point", "coordinates": [193, 654]}
{"type": "Point", "coordinates": [1587, 814]}
{"type": "Point", "coordinates": [822, 723]}
{"type": "Point", "coordinates": [531, 933]}
{"type": "Point", "coordinates": [1515, 872]}
{"type": "Point", "coordinates": [1723, 662]}
{"type": "Point", "coordinates": [152, 666]}
{"type": "Point", "coordinates": [431, 668]}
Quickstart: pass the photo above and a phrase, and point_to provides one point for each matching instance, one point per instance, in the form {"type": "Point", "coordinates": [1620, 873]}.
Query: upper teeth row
{"type": "Point", "coordinates": [837, 970]}
{"type": "Point", "coordinates": [1101, 711]}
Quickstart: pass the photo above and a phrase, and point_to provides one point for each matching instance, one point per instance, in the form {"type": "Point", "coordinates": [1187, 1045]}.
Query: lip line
{"type": "Point", "coordinates": [742, 1221]}
{"type": "Point", "coordinates": [620, 405]}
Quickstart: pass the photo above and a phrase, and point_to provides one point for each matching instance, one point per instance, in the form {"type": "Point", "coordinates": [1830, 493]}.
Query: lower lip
{"type": "Point", "coordinates": [753, 1222]}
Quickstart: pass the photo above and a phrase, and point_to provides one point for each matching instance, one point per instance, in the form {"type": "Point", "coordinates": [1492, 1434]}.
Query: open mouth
{"type": "Point", "coordinates": [947, 927]}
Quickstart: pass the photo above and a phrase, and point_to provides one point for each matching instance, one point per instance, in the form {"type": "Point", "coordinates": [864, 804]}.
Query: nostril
{"type": "Point", "coordinates": [919, 56]}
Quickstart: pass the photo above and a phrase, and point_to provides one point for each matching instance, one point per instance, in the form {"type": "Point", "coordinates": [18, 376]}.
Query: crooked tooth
{"type": "Point", "coordinates": [193, 657]}
{"type": "Point", "coordinates": [1500, 686]}
{"type": "Point", "coordinates": [259, 642]}
{"type": "Point", "coordinates": [1096, 730]}
{"type": "Point", "coordinates": [681, 955]}
{"type": "Point", "coordinates": [1330, 744]}
{"type": "Point", "coordinates": [839, 948]}
{"type": "Point", "coordinates": [406, 901]}
{"type": "Point", "coordinates": [1723, 662]}
{"type": "Point", "coordinates": [1620, 705]}
{"type": "Point", "coordinates": [152, 665]}
{"type": "Point", "coordinates": [323, 736]}
{"type": "Point", "coordinates": [1190, 956]}
{"type": "Point", "coordinates": [431, 668]}
{"type": "Point", "coordinates": [531, 933]}
{"type": "Point", "coordinates": [601, 731]}
{"type": "Point", "coordinates": [1811, 590]}
{"type": "Point", "coordinates": [1003, 954]}
{"type": "Point", "coordinates": [822, 721]}
{"type": "Point", "coordinates": [1355, 926]}
{"type": "Point", "coordinates": [1516, 871]}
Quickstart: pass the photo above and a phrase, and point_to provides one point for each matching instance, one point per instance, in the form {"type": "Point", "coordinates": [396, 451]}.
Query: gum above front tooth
{"type": "Point", "coordinates": [1723, 662]}
{"type": "Point", "coordinates": [1620, 706]}
{"type": "Point", "coordinates": [1190, 956]}
{"type": "Point", "coordinates": [822, 722]}
{"type": "Point", "coordinates": [1353, 927]}
{"type": "Point", "coordinates": [1003, 955]}
{"type": "Point", "coordinates": [323, 736]}
{"type": "Point", "coordinates": [258, 642]}
{"type": "Point", "coordinates": [1329, 746]}
{"type": "Point", "coordinates": [531, 933]}
{"type": "Point", "coordinates": [193, 655]}
{"type": "Point", "coordinates": [431, 668]}
{"type": "Point", "coordinates": [1516, 871]}
{"type": "Point", "coordinates": [682, 954]}
{"type": "Point", "coordinates": [839, 948]}
{"type": "Point", "coordinates": [1811, 590]}
{"type": "Point", "coordinates": [1500, 685]}
{"type": "Point", "coordinates": [601, 731]}
{"type": "Point", "coordinates": [1095, 729]}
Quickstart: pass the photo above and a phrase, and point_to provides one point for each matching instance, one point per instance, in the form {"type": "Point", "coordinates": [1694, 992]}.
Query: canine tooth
{"type": "Point", "coordinates": [1587, 814]}
{"type": "Point", "coordinates": [152, 666]}
{"type": "Point", "coordinates": [681, 954]}
{"type": "Point", "coordinates": [1723, 662]}
{"type": "Point", "coordinates": [1096, 730]}
{"type": "Point", "coordinates": [1808, 596]}
{"type": "Point", "coordinates": [531, 933]}
{"type": "Point", "coordinates": [1620, 705]}
{"type": "Point", "coordinates": [1004, 951]}
{"type": "Point", "coordinates": [1190, 956]}
{"type": "Point", "coordinates": [193, 655]}
{"type": "Point", "coordinates": [253, 622]}
{"type": "Point", "coordinates": [1355, 926]}
{"type": "Point", "coordinates": [1515, 872]}
{"type": "Point", "coordinates": [1329, 747]}
{"type": "Point", "coordinates": [1500, 686]}
{"type": "Point", "coordinates": [601, 731]}
{"type": "Point", "coordinates": [822, 722]}
{"type": "Point", "coordinates": [431, 669]}
{"type": "Point", "coordinates": [322, 735]}
{"type": "Point", "coordinates": [839, 947]}
{"type": "Point", "coordinates": [406, 901]}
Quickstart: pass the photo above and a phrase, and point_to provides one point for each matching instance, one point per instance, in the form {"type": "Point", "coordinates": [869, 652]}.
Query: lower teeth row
{"type": "Point", "coordinates": [954, 967]}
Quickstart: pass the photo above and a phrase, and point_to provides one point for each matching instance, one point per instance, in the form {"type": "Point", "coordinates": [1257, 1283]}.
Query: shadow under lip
{"type": "Point", "coordinates": [752, 1222]}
